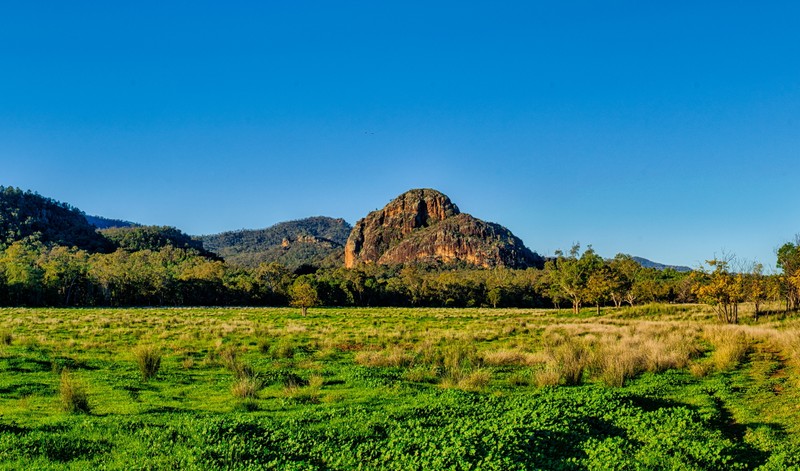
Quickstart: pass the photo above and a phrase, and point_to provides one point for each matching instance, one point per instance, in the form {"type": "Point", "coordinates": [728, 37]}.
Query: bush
{"type": "Point", "coordinates": [148, 359]}
{"type": "Point", "coordinates": [73, 395]}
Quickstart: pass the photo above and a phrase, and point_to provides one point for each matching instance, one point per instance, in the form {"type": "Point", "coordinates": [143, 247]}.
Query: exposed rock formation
{"type": "Point", "coordinates": [425, 226]}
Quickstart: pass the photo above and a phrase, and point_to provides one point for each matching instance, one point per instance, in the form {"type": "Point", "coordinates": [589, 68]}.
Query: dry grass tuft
{"type": "Point", "coordinates": [566, 360]}
{"type": "Point", "coordinates": [229, 357]}
{"type": "Point", "coordinates": [475, 380]}
{"type": "Point", "coordinates": [73, 395]}
{"type": "Point", "coordinates": [731, 346]}
{"type": "Point", "coordinates": [148, 359]}
{"type": "Point", "coordinates": [246, 387]}
{"type": "Point", "coordinates": [507, 358]}
{"type": "Point", "coordinates": [390, 357]}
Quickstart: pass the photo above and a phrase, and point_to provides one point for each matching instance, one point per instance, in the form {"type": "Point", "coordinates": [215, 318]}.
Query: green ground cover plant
{"type": "Point", "coordinates": [664, 387]}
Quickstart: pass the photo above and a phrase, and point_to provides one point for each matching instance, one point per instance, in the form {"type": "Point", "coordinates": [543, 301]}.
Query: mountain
{"type": "Point", "coordinates": [659, 266]}
{"type": "Point", "coordinates": [106, 223]}
{"type": "Point", "coordinates": [25, 214]}
{"type": "Point", "coordinates": [423, 225]}
{"type": "Point", "coordinates": [314, 241]}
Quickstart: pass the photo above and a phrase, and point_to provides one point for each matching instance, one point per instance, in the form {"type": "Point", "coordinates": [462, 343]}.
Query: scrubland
{"type": "Point", "coordinates": [652, 387]}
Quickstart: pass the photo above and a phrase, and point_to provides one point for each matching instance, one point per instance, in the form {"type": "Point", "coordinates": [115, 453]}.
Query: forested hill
{"type": "Point", "coordinates": [25, 213]}
{"type": "Point", "coordinates": [106, 223]}
{"type": "Point", "coordinates": [153, 238]}
{"type": "Point", "coordinates": [316, 240]}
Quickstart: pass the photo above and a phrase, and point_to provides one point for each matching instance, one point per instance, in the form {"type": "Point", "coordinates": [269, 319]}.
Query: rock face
{"type": "Point", "coordinates": [425, 226]}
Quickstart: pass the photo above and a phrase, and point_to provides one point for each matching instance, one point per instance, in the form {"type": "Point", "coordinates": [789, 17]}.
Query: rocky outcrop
{"type": "Point", "coordinates": [425, 226]}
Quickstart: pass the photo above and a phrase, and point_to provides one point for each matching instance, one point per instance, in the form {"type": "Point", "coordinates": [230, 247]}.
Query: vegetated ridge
{"type": "Point", "coordinates": [423, 225]}
{"type": "Point", "coordinates": [135, 238]}
{"type": "Point", "coordinates": [28, 214]}
{"type": "Point", "coordinates": [315, 241]}
{"type": "Point", "coordinates": [660, 266]}
{"type": "Point", "coordinates": [107, 223]}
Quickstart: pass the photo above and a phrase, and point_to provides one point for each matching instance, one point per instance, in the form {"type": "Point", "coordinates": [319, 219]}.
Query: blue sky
{"type": "Point", "coordinates": [667, 130]}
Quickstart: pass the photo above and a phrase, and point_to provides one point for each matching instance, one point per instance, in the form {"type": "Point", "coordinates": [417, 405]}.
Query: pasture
{"type": "Point", "coordinates": [652, 387]}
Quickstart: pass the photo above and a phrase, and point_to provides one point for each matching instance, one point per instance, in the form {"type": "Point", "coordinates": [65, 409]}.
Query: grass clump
{"type": "Point", "coordinates": [230, 360]}
{"type": "Point", "coordinates": [148, 359]}
{"type": "Point", "coordinates": [73, 395]}
{"type": "Point", "coordinates": [283, 349]}
{"type": "Point", "coordinates": [6, 338]}
{"type": "Point", "coordinates": [246, 387]}
{"type": "Point", "coordinates": [730, 347]}
{"type": "Point", "coordinates": [390, 357]}
{"type": "Point", "coordinates": [476, 380]}
{"type": "Point", "coordinates": [565, 363]}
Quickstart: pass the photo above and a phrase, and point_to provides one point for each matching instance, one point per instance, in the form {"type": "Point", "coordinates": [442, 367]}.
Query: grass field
{"type": "Point", "coordinates": [655, 387]}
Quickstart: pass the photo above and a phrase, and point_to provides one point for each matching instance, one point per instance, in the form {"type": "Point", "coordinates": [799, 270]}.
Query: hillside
{"type": "Point", "coordinates": [315, 241]}
{"type": "Point", "coordinates": [424, 226]}
{"type": "Point", "coordinates": [106, 223]}
{"type": "Point", "coordinates": [154, 238]}
{"type": "Point", "coordinates": [25, 214]}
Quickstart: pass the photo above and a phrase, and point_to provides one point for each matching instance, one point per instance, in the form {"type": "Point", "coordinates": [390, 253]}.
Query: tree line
{"type": "Point", "coordinates": [34, 273]}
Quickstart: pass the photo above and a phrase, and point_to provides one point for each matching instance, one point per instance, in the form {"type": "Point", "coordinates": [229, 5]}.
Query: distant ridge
{"type": "Point", "coordinates": [660, 266]}
{"type": "Point", "coordinates": [107, 223]}
{"type": "Point", "coordinates": [315, 241]}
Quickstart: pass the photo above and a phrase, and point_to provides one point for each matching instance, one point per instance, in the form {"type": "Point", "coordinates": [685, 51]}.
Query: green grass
{"type": "Point", "coordinates": [385, 388]}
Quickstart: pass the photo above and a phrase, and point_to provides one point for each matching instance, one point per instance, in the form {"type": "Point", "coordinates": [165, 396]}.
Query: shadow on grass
{"type": "Point", "coordinates": [18, 391]}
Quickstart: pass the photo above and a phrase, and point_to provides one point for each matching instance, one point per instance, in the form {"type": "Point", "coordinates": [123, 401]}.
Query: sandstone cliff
{"type": "Point", "coordinates": [425, 226]}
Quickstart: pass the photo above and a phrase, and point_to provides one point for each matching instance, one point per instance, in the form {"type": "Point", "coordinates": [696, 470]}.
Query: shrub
{"type": "Point", "coordinates": [73, 395]}
{"type": "Point", "coordinates": [148, 359]}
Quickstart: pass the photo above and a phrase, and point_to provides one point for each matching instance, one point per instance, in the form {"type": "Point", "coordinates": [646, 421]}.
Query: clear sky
{"type": "Point", "coordinates": [668, 130]}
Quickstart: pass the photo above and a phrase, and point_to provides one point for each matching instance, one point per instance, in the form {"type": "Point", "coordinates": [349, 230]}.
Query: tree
{"type": "Point", "coordinates": [64, 270]}
{"type": "Point", "coordinates": [756, 288]}
{"type": "Point", "coordinates": [624, 271]}
{"type": "Point", "coordinates": [497, 285]}
{"type": "Point", "coordinates": [304, 293]}
{"type": "Point", "coordinates": [789, 263]}
{"type": "Point", "coordinates": [599, 287]}
{"type": "Point", "coordinates": [722, 289]}
{"type": "Point", "coordinates": [571, 273]}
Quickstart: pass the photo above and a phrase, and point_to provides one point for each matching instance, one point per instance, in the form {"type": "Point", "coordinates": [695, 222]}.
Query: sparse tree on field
{"type": "Point", "coordinates": [599, 286]}
{"type": "Point", "coordinates": [623, 272]}
{"type": "Point", "coordinates": [722, 289]}
{"type": "Point", "coordinates": [756, 288]}
{"type": "Point", "coordinates": [304, 294]}
{"type": "Point", "coordinates": [789, 263]}
{"type": "Point", "coordinates": [571, 273]}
